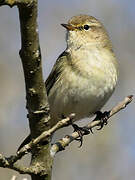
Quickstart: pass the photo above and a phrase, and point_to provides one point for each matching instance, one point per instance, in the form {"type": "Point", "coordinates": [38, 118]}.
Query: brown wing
{"type": "Point", "coordinates": [57, 68]}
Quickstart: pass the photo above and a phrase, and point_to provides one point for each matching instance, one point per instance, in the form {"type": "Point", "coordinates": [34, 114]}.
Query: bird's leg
{"type": "Point", "coordinates": [63, 116]}
{"type": "Point", "coordinates": [81, 131]}
{"type": "Point", "coordinates": [103, 117]}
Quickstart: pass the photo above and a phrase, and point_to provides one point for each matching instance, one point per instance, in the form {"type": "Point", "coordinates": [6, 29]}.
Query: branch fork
{"type": "Point", "coordinates": [10, 162]}
{"type": "Point", "coordinates": [37, 101]}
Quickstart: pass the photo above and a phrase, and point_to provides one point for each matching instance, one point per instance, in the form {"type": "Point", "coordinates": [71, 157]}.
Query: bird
{"type": "Point", "coordinates": [85, 75]}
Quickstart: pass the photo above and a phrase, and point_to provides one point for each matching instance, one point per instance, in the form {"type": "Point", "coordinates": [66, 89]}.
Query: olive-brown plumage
{"type": "Point", "coordinates": [85, 74]}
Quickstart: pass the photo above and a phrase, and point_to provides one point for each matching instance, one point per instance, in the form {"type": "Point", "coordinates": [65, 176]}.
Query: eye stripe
{"type": "Point", "coordinates": [80, 28]}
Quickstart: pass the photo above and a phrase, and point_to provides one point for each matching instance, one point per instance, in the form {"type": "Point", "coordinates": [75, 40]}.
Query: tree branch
{"type": "Point", "coordinates": [28, 147]}
{"type": "Point", "coordinates": [62, 143]}
{"type": "Point", "coordinates": [36, 97]}
{"type": "Point", "coordinates": [31, 170]}
{"type": "Point", "coordinates": [37, 103]}
{"type": "Point", "coordinates": [12, 3]}
{"type": "Point", "coordinates": [6, 163]}
{"type": "Point", "coordinates": [58, 146]}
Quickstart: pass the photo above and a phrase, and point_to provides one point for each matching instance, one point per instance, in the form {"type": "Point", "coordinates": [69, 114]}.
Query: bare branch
{"type": "Point", "coordinates": [62, 143]}
{"type": "Point", "coordinates": [68, 139]}
{"type": "Point", "coordinates": [7, 163]}
{"type": "Point", "coordinates": [37, 103]}
{"type": "Point", "coordinates": [12, 3]}
{"type": "Point", "coordinates": [36, 97]}
{"type": "Point", "coordinates": [14, 177]}
{"type": "Point", "coordinates": [64, 122]}
{"type": "Point", "coordinates": [10, 162]}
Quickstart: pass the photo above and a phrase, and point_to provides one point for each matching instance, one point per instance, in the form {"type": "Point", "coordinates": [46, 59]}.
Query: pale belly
{"type": "Point", "coordinates": [79, 95]}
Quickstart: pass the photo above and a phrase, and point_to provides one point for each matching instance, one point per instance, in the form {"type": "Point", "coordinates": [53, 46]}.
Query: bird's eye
{"type": "Point", "coordinates": [86, 27]}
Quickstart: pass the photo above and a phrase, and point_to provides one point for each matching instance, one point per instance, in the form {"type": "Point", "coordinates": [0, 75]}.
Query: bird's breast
{"type": "Point", "coordinates": [94, 69]}
{"type": "Point", "coordinates": [85, 85]}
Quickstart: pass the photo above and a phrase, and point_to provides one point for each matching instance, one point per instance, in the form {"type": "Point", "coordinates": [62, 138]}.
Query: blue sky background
{"type": "Point", "coordinates": [108, 154]}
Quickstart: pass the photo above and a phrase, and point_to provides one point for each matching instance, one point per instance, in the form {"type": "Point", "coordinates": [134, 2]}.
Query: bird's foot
{"type": "Point", "coordinates": [81, 131]}
{"type": "Point", "coordinates": [103, 117]}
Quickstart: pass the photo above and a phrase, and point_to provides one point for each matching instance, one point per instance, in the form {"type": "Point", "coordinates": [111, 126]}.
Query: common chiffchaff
{"type": "Point", "coordinates": [85, 74]}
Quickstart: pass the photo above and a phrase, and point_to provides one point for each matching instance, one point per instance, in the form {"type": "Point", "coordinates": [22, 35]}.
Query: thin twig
{"type": "Point", "coordinates": [6, 163]}
{"type": "Point", "coordinates": [10, 162]}
{"type": "Point", "coordinates": [14, 177]}
{"type": "Point", "coordinates": [64, 122]}
{"type": "Point", "coordinates": [62, 143]}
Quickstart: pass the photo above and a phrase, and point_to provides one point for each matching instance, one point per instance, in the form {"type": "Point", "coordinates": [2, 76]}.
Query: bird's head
{"type": "Point", "coordinates": [83, 30]}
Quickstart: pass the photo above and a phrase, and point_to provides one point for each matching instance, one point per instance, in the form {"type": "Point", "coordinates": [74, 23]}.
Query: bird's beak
{"type": "Point", "coordinates": [69, 27]}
